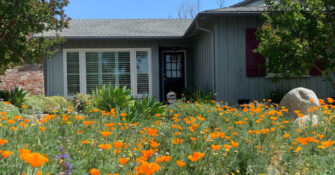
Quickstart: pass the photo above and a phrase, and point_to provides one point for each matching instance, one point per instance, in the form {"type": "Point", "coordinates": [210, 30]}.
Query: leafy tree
{"type": "Point", "coordinates": [19, 21]}
{"type": "Point", "coordinates": [297, 36]}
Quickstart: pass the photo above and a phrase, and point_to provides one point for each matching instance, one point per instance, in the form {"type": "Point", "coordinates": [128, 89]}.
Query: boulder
{"type": "Point", "coordinates": [306, 119]}
{"type": "Point", "coordinates": [300, 99]}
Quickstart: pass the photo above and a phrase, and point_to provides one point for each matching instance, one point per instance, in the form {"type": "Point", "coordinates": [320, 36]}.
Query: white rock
{"type": "Point", "coordinates": [300, 99]}
{"type": "Point", "coordinates": [307, 118]}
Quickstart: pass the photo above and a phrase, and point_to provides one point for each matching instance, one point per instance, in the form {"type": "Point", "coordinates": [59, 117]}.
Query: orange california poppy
{"type": "Point", "coordinates": [196, 156]}
{"type": "Point", "coordinates": [94, 172]}
{"type": "Point", "coordinates": [34, 159]}
{"type": "Point", "coordinates": [3, 141]}
{"type": "Point", "coordinates": [180, 163]}
{"type": "Point", "coordinates": [6, 154]}
{"type": "Point", "coordinates": [123, 161]}
{"type": "Point", "coordinates": [105, 133]}
{"type": "Point", "coordinates": [216, 147]}
{"type": "Point", "coordinates": [118, 144]}
{"type": "Point", "coordinates": [105, 146]}
{"type": "Point", "coordinates": [147, 168]}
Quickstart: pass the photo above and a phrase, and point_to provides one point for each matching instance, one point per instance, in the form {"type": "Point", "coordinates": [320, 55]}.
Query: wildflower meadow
{"type": "Point", "coordinates": [187, 138]}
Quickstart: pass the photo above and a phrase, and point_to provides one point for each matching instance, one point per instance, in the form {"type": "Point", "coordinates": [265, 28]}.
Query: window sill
{"type": "Point", "coordinates": [280, 76]}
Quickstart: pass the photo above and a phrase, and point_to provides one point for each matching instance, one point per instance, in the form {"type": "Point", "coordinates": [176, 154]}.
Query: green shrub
{"type": "Point", "coordinates": [107, 97]}
{"type": "Point", "coordinates": [9, 108]}
{"type": "Point", "coordinates": [55, 103]}
{"type": "Point", "coordinates": [197, 95]}
{"type": "Point", "coordinates": [42, 104]}
{"type": "Point", "coordinates": [277, 95]}
{"type": "Point", "coordinates": [16, 96]}
{"type": "Point", "coordinates": [81, 101]}
{"type": "Point", "coordinates": [144, 108]}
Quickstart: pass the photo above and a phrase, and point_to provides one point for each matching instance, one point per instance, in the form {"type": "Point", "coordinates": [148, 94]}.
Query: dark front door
{"type": "Point", "coordinates": [174, 73]}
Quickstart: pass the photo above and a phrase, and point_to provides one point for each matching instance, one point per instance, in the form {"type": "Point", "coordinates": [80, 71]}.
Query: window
{"type": "Point", "coordinates": [73, 77]}
{"type": "Point", "coordinates": [107, 68]}
{"type": "Point", "coordinates": [89, 68]}
{"type": "Point", "coordinates": [142, 68]}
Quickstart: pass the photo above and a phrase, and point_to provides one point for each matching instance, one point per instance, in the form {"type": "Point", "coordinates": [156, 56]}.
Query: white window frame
{"type": "Point", "coordinates": [82, 67]}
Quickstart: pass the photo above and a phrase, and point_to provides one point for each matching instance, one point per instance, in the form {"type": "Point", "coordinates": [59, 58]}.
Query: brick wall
{"type": "Point", "coordinates": [30, 77]}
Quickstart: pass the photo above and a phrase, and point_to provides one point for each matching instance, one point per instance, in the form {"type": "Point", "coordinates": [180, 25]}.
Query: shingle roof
{"type": "Point", "coordinates": [238, 10]}
{"type": "Point", "coordinates": [242, 3]}
{"type": "Point", "coordinates": [124, 28]}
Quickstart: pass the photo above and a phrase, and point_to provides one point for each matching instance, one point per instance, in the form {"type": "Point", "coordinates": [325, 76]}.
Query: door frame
{"type": "Point", "coordinates": [162, 69]}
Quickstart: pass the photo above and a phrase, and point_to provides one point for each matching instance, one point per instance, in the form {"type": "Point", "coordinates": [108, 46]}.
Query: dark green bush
{"type": "Point", "coordinates": [16, 96]}
{"type": "Point", "coordinates": [277, 95]}
{"type": "Point", "coordinates": [197, 95]}
{"type": "Point", "coordinates": [144, 108]}
{"type": "Point", "coordinates": [108, 96]}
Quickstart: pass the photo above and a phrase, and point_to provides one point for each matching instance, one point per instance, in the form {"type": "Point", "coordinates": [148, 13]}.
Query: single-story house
{"type": "Point", "coordinates": [155, 56]}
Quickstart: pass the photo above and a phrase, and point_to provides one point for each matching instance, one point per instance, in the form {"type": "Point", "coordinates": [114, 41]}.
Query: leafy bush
{"type": "Point", "coordinates": [16, 96]}
{"type": "Point", "coordinates": [277, 95]}
{"type": "Point", "coordinates": [82, 100]}
{"type": "Point", "coordinates": [108, 96]}
{"type": "Point", "coordinates": [197, 95]}
{"type": "Point", "coordinates": [9, 109]}
{"type": "Point", "coordinates": [144, 108]}
{"type": "Point", "coordinates": [42, 104]}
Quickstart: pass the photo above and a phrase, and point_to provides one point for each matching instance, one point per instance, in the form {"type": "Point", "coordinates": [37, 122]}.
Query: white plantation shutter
{"type": "Point", "coordinates": [73, 77]}
{"type": "Point", "coordinates": [142, 70]}
{"type": "Point", "coordinates": [123, 70]}
{"type": "Point", "coordinates": [87, 69]}
{"type": "Point", "coordinates": [107, 68]}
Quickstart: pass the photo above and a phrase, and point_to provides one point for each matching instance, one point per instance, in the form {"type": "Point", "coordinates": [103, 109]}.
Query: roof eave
{"type": "Point", "coordinates": [223, 13]}
{"type": "Point", "coordinates": [117, 37]}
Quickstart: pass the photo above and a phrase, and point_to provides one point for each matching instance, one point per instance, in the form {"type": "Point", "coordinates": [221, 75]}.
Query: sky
{"type": "Point", "coordinates": [132, 9]}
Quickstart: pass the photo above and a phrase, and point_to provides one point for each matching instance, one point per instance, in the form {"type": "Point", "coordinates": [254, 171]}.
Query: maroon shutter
{"type": "Point", "coordinates": [314, 71]}
{"type": "Point", "coordinates": [253, 60]}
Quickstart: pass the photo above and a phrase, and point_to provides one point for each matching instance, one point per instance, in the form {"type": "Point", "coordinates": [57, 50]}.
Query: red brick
{"type": "Point", "coordinates": [30, 77]}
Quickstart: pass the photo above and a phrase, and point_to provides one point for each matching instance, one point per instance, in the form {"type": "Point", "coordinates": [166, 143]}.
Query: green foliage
{"type": "Point", "coordinates": [144, 108]}
{"type": "Point", "coordinates": [20, 19]}
{"type": "Point", "coordinates": [296, 37]}
{"type": "Point", "coordinates": [16, 96]}
{"type": "Point", "coordinates": [42, 104]}
{"type": "Point", "coordinates": [9, 109]}
{"type": "Point", "coordinates": [107, 97]}
{"type": "Point", "coordinates": [81, 101]}
{"type": "Point", "coordinates": [197, 95]}
{"type": "Point", "coordinates": [277, 95]}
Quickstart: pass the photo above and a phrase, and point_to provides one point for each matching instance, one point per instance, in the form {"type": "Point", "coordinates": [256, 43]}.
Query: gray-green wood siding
{"type": "Point", "coordinates": [55, 77]}
{"type": "Point", "coordinates": [203, 74]}
{"type": "Point", "coordinates": [231, 81]}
